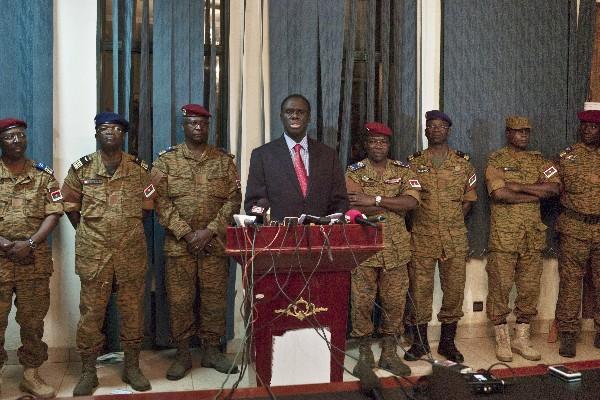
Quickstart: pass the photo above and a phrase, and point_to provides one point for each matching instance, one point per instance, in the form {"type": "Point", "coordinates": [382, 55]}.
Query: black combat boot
{"type": "Point", "coordinates": [390, 360]}
{"type": "Point", "coordinates": [182, 363]}
{"type": "Point", "coordinates": [568, 344]}
{"type": "Point", "coordinates": [132, 374]}
{"type": "Point", "coordinates": [88, 381]}
{"type": "Point", "coordinates": [447, 348]}
{"type": "Point", "coordinates": [213, 358]}
{"type": "Point", "coordinates": [420, 345]}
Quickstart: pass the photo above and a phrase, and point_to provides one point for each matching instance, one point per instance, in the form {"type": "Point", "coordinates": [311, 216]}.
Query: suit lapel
{"type": "Point", "coordinates": [288, 165]}
{"type": "Point", "coordinates": [313, 160]}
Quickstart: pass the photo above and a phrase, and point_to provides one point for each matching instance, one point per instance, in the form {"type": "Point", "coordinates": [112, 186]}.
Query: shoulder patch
{"type": "Point", "coordinates": [356, 166]}
{"type": "Point", "coordinates": [141, 163]}
{"type": "Point", "coordinates": [565, 151]}
{"type": "Point", "coordinates": [43, 167]}
{"type": "Point", "coordinates": [463, 155]}
{"type": "Point", "coordinates": [224, 151]}
{"type": "Point", "coordinates": [81, 162]}
{"type": "Point", "coordinates": [165, 151]}
{"type": "Point", "coordinates": [415, 155]}
{"type": "Point", "coordinates": [400, 164]}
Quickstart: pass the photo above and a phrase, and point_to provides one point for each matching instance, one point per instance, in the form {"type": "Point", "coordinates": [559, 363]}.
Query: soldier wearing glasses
{"type": "Point", "coordinates": [579, 227]}
{"type": "Point", "coordinates": [198, 193]}
{"type": "Point", "coordinates": [107, 194]}
{"type": "Point", "coordinates": [30, 207]}
{"type": "Point", "coordinates": [439, 235]}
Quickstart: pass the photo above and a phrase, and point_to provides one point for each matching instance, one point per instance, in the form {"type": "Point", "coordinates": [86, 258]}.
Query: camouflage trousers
{"type": "Point", "coordinates": [203, 280]}
{"type": "Point", "coordinates": [32, 299]}
{"type": "Point", "coordinates": [392, 284]}
{"type": "Point", "coordinates": [573, 257]}
{"type": "Point", "coordinates": [421, 272]}
{"type": "Point", "coordinates": [94, 297]}
{"type": "Point", "coordinates": [505, 269]}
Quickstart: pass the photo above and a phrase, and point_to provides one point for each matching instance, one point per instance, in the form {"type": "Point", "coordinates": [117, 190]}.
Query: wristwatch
{"type": "Point", "coordinates": [32, 243]}
{"type": "Point", "coordinates": [377, 201]}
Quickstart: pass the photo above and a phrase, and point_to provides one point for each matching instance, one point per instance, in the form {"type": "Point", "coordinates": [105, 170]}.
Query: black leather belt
{"type": "Point", "coordinates": [586, 218]}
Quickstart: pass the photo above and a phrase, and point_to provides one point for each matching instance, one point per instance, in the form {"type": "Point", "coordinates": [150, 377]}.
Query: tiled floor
{"type": "Point", "coordinates": [479, 353]}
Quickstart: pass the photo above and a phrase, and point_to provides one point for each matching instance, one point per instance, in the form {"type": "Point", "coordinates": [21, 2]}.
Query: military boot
{"type": "Point", "coordinates": [503, 351]}
{"type": "Point", "coordinates": [390, 360]}
{"type": "Point", "coordinates": [568, 344]}
{"type": "Point", "coordinates": [182, 363]}
{"type": "Point", "coordinates": [522, 345]}
{"type": "Point", "coordinates": [447, 347]}
{"type": "Point", "coordinates": [213, 358]}
{"type": "Point", "coordinates": [89, 380]}
{"type": "Point", "coordinates": [34, 384]}
{"type": "Point", "coordinates": [420, 345]}
{"type": "Point", "coordinates": [366, 360]}
{"type": "Point", "coordinates": [132, 374]}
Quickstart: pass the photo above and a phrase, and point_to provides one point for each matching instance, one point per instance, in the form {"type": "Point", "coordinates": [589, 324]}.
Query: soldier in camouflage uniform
{"type": "Point", "coordinates": [439, 235]}
{"type": "Point", "coordinates": [380, 186]}
{"type": "Point", "coordinates": [516, 180]}
{"type": "Point", "coordinates": [579, 227]}
{"type": "Point", "coordinates": [107, 194]}
{"type": "Point", "coordinates": [198, 193]}
{"type": "Point", "coordinates": [31, 205]}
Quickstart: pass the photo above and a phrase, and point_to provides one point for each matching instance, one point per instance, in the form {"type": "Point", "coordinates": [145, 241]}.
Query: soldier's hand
{"type": "Point", "coordinates": [20, 252]}
{"type": "Point", "coordinates": [358, 199]}
{"type": "Point", "coordinates": [199, 240]}
{"type": "Point", "coordinates": [5, 244]}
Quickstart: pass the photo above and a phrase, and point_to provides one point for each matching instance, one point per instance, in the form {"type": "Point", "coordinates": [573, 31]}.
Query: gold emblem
{"type": "Point", "coordinates": [301, 309]}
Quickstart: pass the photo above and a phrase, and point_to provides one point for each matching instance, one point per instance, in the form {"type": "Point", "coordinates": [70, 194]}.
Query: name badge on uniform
{"type": "Point", "coordinates": [472, 180]}
{"type": "Point", "coordinates": [92, 181]}
{"type": "Point", "coordinates": [422, 168]}
{"type": "Point", "coordinates": [114, 199]}
{"type": "Point", "coordinates": [365, 178]}
{"type": "Point", "coordinates": [508, 169]}
{"type": "Point", "coordinates": [17, 202]}
{"type": "Point", "coordinates": [550, 171]}
{"type": "Point", "coordinates": [393, 181]}
{"type": "Point", "coordinates": [148, 191]}
{"type": "Point", "coordinates": [414, 183]}
{"type": "Point", "coordinates": [56, 195]}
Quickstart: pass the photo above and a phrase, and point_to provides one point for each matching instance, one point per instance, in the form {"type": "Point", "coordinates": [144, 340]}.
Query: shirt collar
{"type": "Point", "coordinates": [291, 142]}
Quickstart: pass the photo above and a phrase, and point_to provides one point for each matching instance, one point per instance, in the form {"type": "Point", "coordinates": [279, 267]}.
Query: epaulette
{"type": "Point", "coordinates": [565, 151]}
{"type": "Point", "coordinates": [165, 151]}
{"type": "Point", "coordinates": [400, 164]}
{"type": "Point", "coordinates": [43, 167]}
{"type": "Point", "coordinates": [415, 155]}
{"type": "Point", "coordinates": [356, 166]}
{"type": "Point", "coordinates": [81, 162]}
{"type": "Point", "coordinates": [141, 163]}
{"type": "Point", "coordinates": [463, 155]}
{"type": "Point", "coordinates": [224, 151]}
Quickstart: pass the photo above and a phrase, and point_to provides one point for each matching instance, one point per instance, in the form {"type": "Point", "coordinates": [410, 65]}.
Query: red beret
{"type": "Point", "coordinates": [8, 123]}
{"type": "Point", "coordinates": [589, 116]}
{"type": "Point", "coordinates": [377, 128]}
{"type": "Point", "coordinates": [194, 110]}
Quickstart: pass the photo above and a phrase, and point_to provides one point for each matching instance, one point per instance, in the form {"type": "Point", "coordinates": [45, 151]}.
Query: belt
{"type": "Point", "coordinates": [585, 218]}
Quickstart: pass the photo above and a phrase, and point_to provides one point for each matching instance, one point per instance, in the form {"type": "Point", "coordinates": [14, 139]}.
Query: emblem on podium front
{"type": "Point", "coordinates": [301, 309]}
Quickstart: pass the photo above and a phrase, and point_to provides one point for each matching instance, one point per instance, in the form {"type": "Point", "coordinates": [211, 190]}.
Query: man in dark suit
{"type": "Point", "coordinates": [295, 174]}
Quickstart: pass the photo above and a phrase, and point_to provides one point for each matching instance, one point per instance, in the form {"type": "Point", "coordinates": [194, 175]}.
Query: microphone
{"type": "Point", "coordinates": [376, 218]}
{"type": "Point", "coordinates": [356, 217]}
{"type": "Point", "coordinates": [260, 210]}
{"type": "Point", "coordinates": [306, 219]}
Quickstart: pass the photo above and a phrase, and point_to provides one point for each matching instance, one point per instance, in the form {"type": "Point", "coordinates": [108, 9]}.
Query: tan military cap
{"type": "Point", "coordinates": [517, 122]}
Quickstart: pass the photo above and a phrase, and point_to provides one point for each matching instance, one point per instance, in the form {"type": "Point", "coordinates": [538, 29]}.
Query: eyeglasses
{"type": "Point", "coordinates": [200, 123]}
{"type": "Point", "coordinates": [291, 112]}
{"type": "Point", "coordinates": [440, 127]}
{"type": "Point", "coordinates": [9, 137]}
{"type": "Point", "coordinates": [378, 142]}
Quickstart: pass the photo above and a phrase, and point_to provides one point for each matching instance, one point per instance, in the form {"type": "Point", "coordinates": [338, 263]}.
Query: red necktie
{"type": "Point", "coordinates": [300, 169]}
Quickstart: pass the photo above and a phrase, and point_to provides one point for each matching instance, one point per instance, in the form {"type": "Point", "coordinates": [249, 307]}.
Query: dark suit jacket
{"type": "Point", "coordinates": [272, 177]}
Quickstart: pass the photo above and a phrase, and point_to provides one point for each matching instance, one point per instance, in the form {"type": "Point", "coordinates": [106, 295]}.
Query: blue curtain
{"type": "Point", "coordinates": [26, 33]}
{"type": "Point", "coordinates": [512, 57]}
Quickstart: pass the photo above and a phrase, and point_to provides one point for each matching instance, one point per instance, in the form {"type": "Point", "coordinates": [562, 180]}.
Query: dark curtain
{"type": "Point", "coordinates": [26, 33]}
{"type": "Point", "coordinates": [512, 57]}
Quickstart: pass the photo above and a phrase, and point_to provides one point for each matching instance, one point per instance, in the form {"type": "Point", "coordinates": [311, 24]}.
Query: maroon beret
{"type": "Point", "coordinates": [437, 114]}
{"type": "Point", "coordinates": [194, 110]}
{"type": "Point", "coordinates": [8, 123]}
{"type": "Point", "coordinates": [589, 116]}
{"type": "Point", "coordinates": [377, 128]}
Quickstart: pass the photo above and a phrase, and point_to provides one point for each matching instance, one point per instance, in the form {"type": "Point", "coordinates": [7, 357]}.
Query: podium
{"type": "Point", "coordinates": [299, 277]}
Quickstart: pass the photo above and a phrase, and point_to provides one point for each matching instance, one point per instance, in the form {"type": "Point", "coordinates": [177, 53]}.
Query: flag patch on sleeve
{"type": "Point", "coordinates": [149, 190]}
{"type": "Point", "coordinates": [414, 183]}
{"type": "Point", "coordinates": [550, 171]}
{"type": "Point", "coordinates": [472, 180]}
{"type": "Point", "coordinates": [56, 195]}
